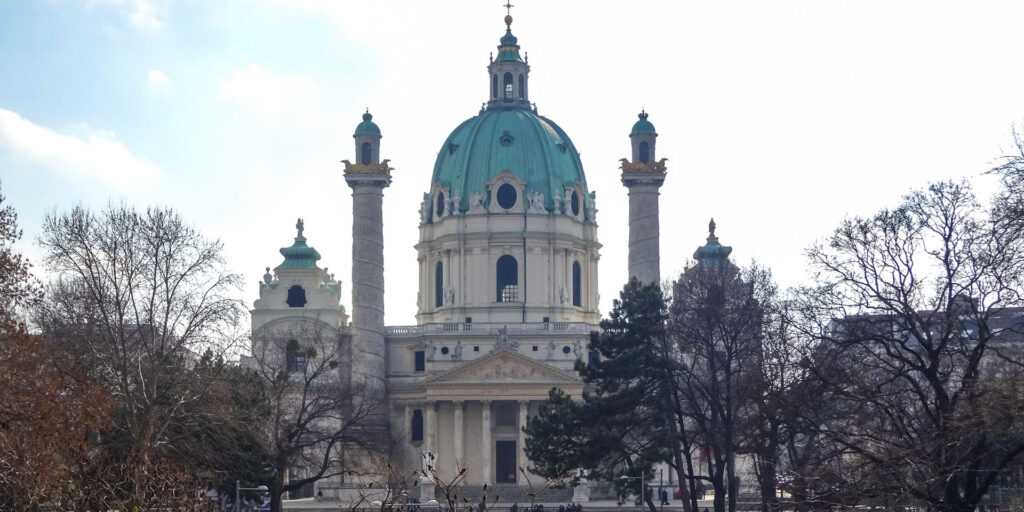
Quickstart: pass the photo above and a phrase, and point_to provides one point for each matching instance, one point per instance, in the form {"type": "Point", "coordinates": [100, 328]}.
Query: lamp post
{"type": "Point", "coordinates": [238, 490]}
{"type": "Point", "coordinates": [643, 496]}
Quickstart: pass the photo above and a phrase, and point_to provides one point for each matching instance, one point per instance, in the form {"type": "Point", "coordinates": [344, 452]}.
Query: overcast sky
{"type": "Point", "coordinates": [778, 118]}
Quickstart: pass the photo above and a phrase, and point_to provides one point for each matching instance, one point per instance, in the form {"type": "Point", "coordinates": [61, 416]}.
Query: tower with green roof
{"type": "Point", "coordinates": [368, 178]}
{"type": "Point", "coordinates": [644, 176]}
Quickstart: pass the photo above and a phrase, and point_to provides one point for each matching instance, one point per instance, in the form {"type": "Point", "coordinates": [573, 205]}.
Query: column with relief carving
{"type": "Point", "coordinates": [485, 434]}
{"type": "Point", "coordinates": [524, 410]}
{"type": "Point", "coordinates": [459, 462]}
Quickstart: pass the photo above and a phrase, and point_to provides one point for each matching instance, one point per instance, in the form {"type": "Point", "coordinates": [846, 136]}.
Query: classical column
{"type": "Point", "coordinates": [485, 434]}
{"type": "Point", "coordinates": [524, 409]}
{"type": "Point", "coordinates": [459, 462]}
{"type": "Point", "coordinates": [431, 426]}
{"type": "Point", "coordinates": [368, 369]}
{"type": "Point", "coordinates": [643, 177]}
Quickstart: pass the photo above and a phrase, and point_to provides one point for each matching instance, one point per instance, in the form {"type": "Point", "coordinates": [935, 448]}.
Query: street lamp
{"type": "Point", "coordinates": [643, 496]}
{"type": "Point", "coordinates": [238, 489]}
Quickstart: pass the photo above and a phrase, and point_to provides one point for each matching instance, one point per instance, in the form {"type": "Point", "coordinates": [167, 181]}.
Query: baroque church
{"type": "Point", "coordinates": [508, 259]}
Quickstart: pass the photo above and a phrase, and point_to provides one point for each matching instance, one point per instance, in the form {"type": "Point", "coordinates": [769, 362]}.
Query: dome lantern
{"type": "Point", "coordinates": [508, 75]}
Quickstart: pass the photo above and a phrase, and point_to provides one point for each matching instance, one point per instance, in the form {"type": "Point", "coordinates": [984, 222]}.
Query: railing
{"type": "Point", "coordinates": [486, 329]}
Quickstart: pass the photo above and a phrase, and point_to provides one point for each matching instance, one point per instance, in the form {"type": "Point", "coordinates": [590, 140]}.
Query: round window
{"type": "Point", "coordinates": [506, 196]}
{"type": "Point", "coordinates": [575, 201]}
{"type": "Point", "coordinates": [444, 350]}
{"type": "Point", "coordinates": [440, 204]}
{"type": "Point", "coordinates": [566, 349]}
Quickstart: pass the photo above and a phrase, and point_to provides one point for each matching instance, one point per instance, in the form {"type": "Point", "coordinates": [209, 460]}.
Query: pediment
{"type": "Point", "coordinates": [504, 367]}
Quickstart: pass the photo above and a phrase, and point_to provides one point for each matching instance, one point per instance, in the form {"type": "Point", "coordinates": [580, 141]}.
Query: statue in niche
{"type": "Point", "coordinates": [550, 349]}
{"type": "Point", "coordinates": [431, 350]}
{"type": "Point", "coordinates": [577, 349]}
{"type": "Point", "coordinates": [457, 352]}
{"type": "Point", "coordinates": [536, 203]}
{"type": "Point", "coordinates": [449, 296]}
{"type": "Point", "coordinates": [563, 294]}
{"type": "Point", "coordinates": [419, 300]}
{"type": "Point", "coordinates": [476, 203]}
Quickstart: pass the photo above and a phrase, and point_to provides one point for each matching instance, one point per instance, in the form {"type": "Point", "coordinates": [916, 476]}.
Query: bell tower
{"type": "Point", "coordinates": [643, 176]}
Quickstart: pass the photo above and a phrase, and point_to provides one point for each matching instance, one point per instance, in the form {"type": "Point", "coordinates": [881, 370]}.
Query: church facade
{"type": "Point", "coordinates": [508, 259]}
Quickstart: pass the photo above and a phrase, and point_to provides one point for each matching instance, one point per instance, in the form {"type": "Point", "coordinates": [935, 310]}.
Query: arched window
{"type": "Point", "coordinates": [439, 285]}
{"type": "Point", "coordinates": [522, 87]}
{"type": "Point", "coordinates": [507, 82]}
{"type": "Point", "coordinates": [417, 425]}
{"type": "Point", "coordinates": [645, 152]}
{"type": "Point", "coordinates": [574, 203]}
{"type": "Point", "coordinates": [364, 153]}
{"type": "Point", "coordinates": [295, 358]}
{"type": "Point", "coordinates": [439, 207]}
{"type": "Point", "coordinates": [508, 279]}
{"type": "Point", "coordinates": [576, 275]}
{"type": "Point", "coordinates": [494, 87]}
{"type": "Point", "coordinates": [296, 297]}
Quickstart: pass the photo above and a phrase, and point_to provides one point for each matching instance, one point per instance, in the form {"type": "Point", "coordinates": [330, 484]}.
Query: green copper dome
{"type": "Point", "coordinates": [367, 127]}
{"type": "Point", "coordinates": [299, 255]}
{"type": "Point", "coordinates": [530, 146]}
{"type": "Point", "coordinates": [643, 125]}
{"type": "Point", "coordinates": [712, 254]}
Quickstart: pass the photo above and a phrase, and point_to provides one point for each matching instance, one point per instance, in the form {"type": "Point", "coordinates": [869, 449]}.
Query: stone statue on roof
{"type": "Point", "coordinates": [299, 226]}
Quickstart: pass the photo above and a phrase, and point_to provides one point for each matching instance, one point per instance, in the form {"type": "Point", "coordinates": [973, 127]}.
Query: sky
{"type": "Point", "coordinates": [778, 118]}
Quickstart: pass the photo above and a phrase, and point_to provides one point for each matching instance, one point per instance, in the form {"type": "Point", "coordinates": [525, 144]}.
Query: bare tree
{"type": "Point", "coordinates": [320, 426]}
{"type": "Point", "coordinates": [921, 304]}
{"type": "Point", "coordinates": [139, 295]}
{"type": "Point", "coordinates": [716, 319]}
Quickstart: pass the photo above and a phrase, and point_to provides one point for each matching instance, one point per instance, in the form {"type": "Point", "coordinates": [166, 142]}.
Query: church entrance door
{"type": "Point", "coordinates": [505, 462]}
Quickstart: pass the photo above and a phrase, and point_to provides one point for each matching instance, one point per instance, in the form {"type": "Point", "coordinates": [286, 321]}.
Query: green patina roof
{"type": "Point", "coordinates": [530, 146]}
{"type": "Point", "coordinates": [508, 50]}
{"type": "Point", "coordinates": [299, 255]}
{"type": "Point", "coordinates": [367, 126]}
{"type": "Point", "coordinates": [643, 125]}
{"type": "Point", "coordinates": [712, 254]}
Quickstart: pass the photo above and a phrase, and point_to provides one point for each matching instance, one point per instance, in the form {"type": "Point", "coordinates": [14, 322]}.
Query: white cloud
{"type": "Point", "coordinates": [157, 79]}
{"type": "Point", "coordinates": [270, 97]}
{"type": "Point", "coordinates": [97, 155]}
{"type": "Point", "coordinates": [142, 14]}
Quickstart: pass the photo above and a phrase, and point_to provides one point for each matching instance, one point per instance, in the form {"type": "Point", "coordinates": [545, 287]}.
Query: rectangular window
{"type": "Point", "coordinates": [420, 361]}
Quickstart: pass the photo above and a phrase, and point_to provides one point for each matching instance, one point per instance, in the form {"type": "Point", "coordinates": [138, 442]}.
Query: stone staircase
{"type": "Point", "coordinates": [504, 495]}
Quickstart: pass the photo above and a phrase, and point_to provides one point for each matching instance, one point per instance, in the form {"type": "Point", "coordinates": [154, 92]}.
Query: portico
{"type": "Point", "coordinates": [473, 415]}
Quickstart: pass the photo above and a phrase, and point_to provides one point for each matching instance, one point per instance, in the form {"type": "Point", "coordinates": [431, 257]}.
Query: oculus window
{"type": "Point", "coordinates": [574, 202]}
{"type": "Point", "coordinates": [506, 196]}
{"type": "Point", "coordinates": [439, 207]}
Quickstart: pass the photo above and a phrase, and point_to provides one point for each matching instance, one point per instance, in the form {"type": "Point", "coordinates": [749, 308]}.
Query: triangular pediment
{"type": "Point", "coordinates": [504, 367]}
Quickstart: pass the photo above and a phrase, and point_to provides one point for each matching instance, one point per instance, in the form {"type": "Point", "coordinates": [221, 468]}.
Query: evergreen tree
{"type": "Point", "coordinates": [622, 427]}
